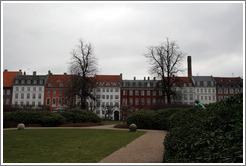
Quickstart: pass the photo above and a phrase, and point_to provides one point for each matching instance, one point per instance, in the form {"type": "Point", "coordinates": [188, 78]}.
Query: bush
{"type": "Point", "coordinates": [80, 116]}
{"type": "Point", "coordinates": [207, 136]}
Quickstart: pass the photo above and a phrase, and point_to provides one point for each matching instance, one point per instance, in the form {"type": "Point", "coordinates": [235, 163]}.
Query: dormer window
{"type": "Point", "coordinates": [107, 83]}
{"type": "Point", "coordinates": [22, 81]}
{"type": "Point", "coordinates": [28, 81]}
{"type": "Point", "coordinates": [113, 83]}
{"type": "Point", "coordinates": [34, 81]}
{"type": "Point", "coordinates": [16, 81]}
{"type": "Point", "coordinates": [50, 85]}
{"type": "Point", "coordinates": [60, 84]}
{"type": "Point", "coordinates": [41, 81]}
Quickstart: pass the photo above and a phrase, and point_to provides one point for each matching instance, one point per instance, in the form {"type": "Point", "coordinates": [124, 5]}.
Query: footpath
{"type": "Point", "coordinates": [147, 148]}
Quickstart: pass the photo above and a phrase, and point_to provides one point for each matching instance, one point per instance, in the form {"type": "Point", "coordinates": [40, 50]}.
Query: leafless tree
{"type": "Point", "coordinates": [83, 64]}
{"type": "Point", "coordinates": [165, 61]}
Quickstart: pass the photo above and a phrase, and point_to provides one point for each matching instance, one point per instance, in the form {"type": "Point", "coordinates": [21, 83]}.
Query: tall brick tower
{"type": "Point", "coordinates": [189, 66]}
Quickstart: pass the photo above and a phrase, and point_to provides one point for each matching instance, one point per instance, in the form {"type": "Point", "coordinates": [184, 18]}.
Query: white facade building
{"type": "Point", "coordinates": [28, 90]}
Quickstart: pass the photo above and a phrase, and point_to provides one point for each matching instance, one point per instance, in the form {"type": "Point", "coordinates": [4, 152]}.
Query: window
{"type": "Point", "coordinates": [60, 92]}
{"type": "Point", "coordinates": [107, 96]}
{"type": "Point", "coordinates": [236, 90]}
{"type": "Point", "coordinates": [17, 88]}
{"type": "Point", "coordinates": [28, 89]}
{"type": "Point", "coordinates": [61, 84]}
{"type": "Point", "coordinates": [111, 96]}
{"type": "Point", "coordinates": [97, 112]}
{"type": "Point", "coordinates": [201, 97]}
{"type": "Point", "coordinates": [116, 104]}
{"type": "Point", "coordinates": [22, 88]}
{"type": "Point", "coordinates": [225, 91]}
{"type": "Point", "coordinates": [209, 90]}
{"type": "Point", "coordinates": [49, 84]}
{"type": "Point", "coordinates": [191, 97]}
{"type": "Point", "coordinates": [8, 91]}
{"type": "Point", "coordinates": [136, 101]}
{"type": "Point", "coordinates": [116, 89]}
{"type": "Point", "coordinates": [34, 96]}
{"type": "Point", "coordinates": [16, 95]}
{"type": "Point", "coordinates": [28, 81]}
{"type": "Point", "coordinates": [213, 90]}
{"type": "Point", "coordinates": [47, 101]}
{"type": "Point", "coordinates": [34, 88]}
{"type": "Point", "coordinates": [142, 101]}
{"type": "Point", "coordinates": [39, 103]}
{"type": "Point", "coordinates": [53, 101]}
{"type": "Point", "coordinates": [154, 101]}
{"type": "Point", "coordinates": [111, 104]}
{"type": "Point", "coordinates": [33, 103]}
{"type": "Point", "coordinates": [111, 89]}
{"type": "Point", "coordinates": [35, 81]}
{"type": "Point", "coordinates": [98, 96]}
{"type": "Point", "coordinates": [231, 91]}
{"type": "Point", "coordinates": [160, 93]}
{"type": "Point", "coordinates": [124, 92]}
{"type": "Point", "coordinates": [22, 96]}
{"type": "Point", "coordinates": [136, 92]}
{"type": "Point", "coordinates": [142, 92]}
{"type": "Point", "coordinates": [209, 98]}
{"type": "Point", "coordinates": [54, 92]}
{"type": "Point", "coordinates": [130, 101]}
{"type": "Point", "coordinates": [213, 98]}
{"type": "Point", "coordinates": [65, 101]}
{"type": "Point", "coordinates": [197, 90]}
{"type": "Point", "coordinates": [154, 93]}
{"type": "Point", "coordinates": [130, 93]}
{"type": "Point", "coordinates": [206, 98]}
{"type": "Point", "coordinates": [103, 104]}
{"type": "Point", "coordinates": [103, 89]}
{"type": "Point", "coordinates": [148, 101]}
{"type": "Point", "coordinates": [22, 81]}
{"type": "Point", "coordinates": [205, 83]}
{"type": "Point", "coordinates": [107, 90]}
{"type": "Point", "coordinates": [220, 91]}
{"type": "Point", "coordinates": [98, 89]}
{"type": "Point", "coordinates": [59, 101]}
{"type": "Point", "coordinates": [28, 95]}
{"type": "Point", "coordinates": [41, 81]}
{"type": "Point", "coordinates": [107, 103]}
{"type": "Point", "coordinates": [148, 93]}
{"type": "Point", "coordinates": [201, 90]}
{"type": "Point", "coordinates": [116, 96]}
{"type": "Point", "coordinates": [205, 90]}
{"type": "Point", "coordinates": [48, 92]}
{"type": "Point", "coordinates": [16, 81]}
{"type": "Point", "coordinates": [7, 101]}
{"type": "Point", "coordinates": [103, 96]}
{"type": "Point", "coordinates": [39, 95]}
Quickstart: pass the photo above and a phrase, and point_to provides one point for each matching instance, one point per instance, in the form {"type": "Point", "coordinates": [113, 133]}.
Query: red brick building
{"type": "Point", "coordinates": [8, 80]}
{"type": "Point", "coordinates": [228, 86]}
{"type": "Point", "coordinates": [57, 95]}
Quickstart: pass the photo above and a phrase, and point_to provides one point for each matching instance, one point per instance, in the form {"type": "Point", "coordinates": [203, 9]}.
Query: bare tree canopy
{"type": "Point", "coordinates": [83, 64]}
{"type": "Point", "coordinates": [165, 61]}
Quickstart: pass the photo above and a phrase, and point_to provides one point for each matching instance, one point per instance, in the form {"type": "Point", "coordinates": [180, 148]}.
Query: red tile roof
{"type": "Point", "coordinates": [55, 80]}
{"type": "Point", "coordinates": [8, 78]}
{"type": "Point", "coordinates": [179, 81]}
{"type": "Point", "coordinates": [225, 81]}
{"type": "Point", "coordinates": [108, 80]}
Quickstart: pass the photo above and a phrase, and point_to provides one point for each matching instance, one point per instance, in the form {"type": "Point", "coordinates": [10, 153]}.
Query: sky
{"type": "Point", "coordinates": [40, 36]}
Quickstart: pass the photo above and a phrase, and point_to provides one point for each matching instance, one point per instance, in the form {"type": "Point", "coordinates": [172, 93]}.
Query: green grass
{"type": "Point", "coordinates": [111, 122]}
{"type": "Point", "coordinates": [63, 145]}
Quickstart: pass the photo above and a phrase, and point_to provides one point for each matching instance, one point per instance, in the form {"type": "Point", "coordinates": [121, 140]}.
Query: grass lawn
{"type": "Point", "coordinates": [111, 122]}
{"type": "Point", "coordinates": [63, 145]}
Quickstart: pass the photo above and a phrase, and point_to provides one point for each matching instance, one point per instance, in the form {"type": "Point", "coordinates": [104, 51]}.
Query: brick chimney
{"type": "Point", "coordinates": [189, 66]}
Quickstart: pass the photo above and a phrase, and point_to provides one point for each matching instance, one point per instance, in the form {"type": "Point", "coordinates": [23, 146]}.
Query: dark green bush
{"type": "Point", "coordinates": [80, 116]}
{"type": "Point", "coordinates": [213, 135]}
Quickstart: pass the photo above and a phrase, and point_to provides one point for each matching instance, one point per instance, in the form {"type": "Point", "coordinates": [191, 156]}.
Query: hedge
{"type": "Point", "coordinates": [214, 135]}
{"type": "Point", "coordinates": [46, 118]}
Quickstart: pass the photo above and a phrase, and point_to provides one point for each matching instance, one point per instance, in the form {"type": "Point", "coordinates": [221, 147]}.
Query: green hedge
{"type": "Point", "coordinates": [149, 119]}
{"type": "Point", "coordinates": [207, 136]}
{"type": "Point", "coordinates": [46, 118]}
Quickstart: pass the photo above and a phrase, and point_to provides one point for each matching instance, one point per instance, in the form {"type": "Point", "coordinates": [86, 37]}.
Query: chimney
{"type": "Point", "coordinates": [144, 78]}
{"type": "Point", "coordinates": [148, 78]}
{"type": "Point", "coordinates": [134, 78]}
{"type": "Point", "coordinates": [34, 73]}
{"type": "Point", "coordinates": [65, 73]}
{"type": "Point", "coordinates": [5, 69]}
{"type": "Point", "coordinates": [20, 72]}
{"type": "Point", "coordinates": [154, 78]}
{"type": "Point", "coordinates": [189, 66]}
{"type": "Point", "coordinates": [24, 73]}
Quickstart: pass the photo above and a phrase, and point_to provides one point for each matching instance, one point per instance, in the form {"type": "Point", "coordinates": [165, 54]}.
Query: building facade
{"type": "Point", "coordinates": [28, 90]}
{"type": "Point", "coordinates": [228, 86]}
{"type": "Point", "coordinates": [205, 89]}
{"type": "Point", "coordinates": [8, 79]}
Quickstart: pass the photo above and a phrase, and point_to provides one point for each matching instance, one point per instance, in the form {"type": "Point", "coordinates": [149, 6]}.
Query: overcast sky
{"type": "Point", "coordinates": [40, 36]}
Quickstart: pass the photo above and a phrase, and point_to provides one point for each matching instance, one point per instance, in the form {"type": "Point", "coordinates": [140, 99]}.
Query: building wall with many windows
{"type": "Point", "coordinates": [28, 90]}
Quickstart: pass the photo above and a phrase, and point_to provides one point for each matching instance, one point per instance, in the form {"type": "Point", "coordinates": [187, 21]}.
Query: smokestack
{"type": "Point", "coordinates": [189, 66]}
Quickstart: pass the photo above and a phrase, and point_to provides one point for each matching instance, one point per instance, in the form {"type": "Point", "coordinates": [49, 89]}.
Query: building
{"type": "Point", "coordinates": [107, 92]}
{"type": "Point", "coordinates": [8, 79]}
{"type": "Point", "coordinates": [57, 95]}
{"type": "Point", "coordinates": [139, 94]}
{"type": "Point", "coordinates": [205, 89]}
{"type": "Point", "coordinates": [228, 86]}
{"type": "Point", "coordinates": [28, 90]}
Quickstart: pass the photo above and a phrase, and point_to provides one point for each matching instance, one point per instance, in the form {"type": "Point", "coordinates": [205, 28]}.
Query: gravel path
{"type": "Point", "coordinates": [148, 148]}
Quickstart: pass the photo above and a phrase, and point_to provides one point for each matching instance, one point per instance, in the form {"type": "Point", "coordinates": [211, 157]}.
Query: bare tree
{"type": "Point", "coordinates": [165, 60]}
{"type": "Point", "coordinates": [83, 64]}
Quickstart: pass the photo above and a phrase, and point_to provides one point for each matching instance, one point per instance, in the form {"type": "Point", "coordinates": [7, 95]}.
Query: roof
{"type": "Point", "coordinates": [108, 80]}
{"type": "Point", "coordinates": [229, 81]}
{"type": "Point", "coordinates": [8, 78]}
{"type": "Point", "coordinates": [179, 81]}
{"type": "Point", "coordinates": [203, 78]}
{"type": "Point", "coordinates": [59, 80]}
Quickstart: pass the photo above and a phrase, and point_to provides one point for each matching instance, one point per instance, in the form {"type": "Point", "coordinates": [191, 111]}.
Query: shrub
{"type": "Point", "coordinates": [207, 136]}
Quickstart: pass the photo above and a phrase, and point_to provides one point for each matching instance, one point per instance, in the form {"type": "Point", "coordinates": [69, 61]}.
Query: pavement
{"type": "Point", "coordinates": [147, 148]}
